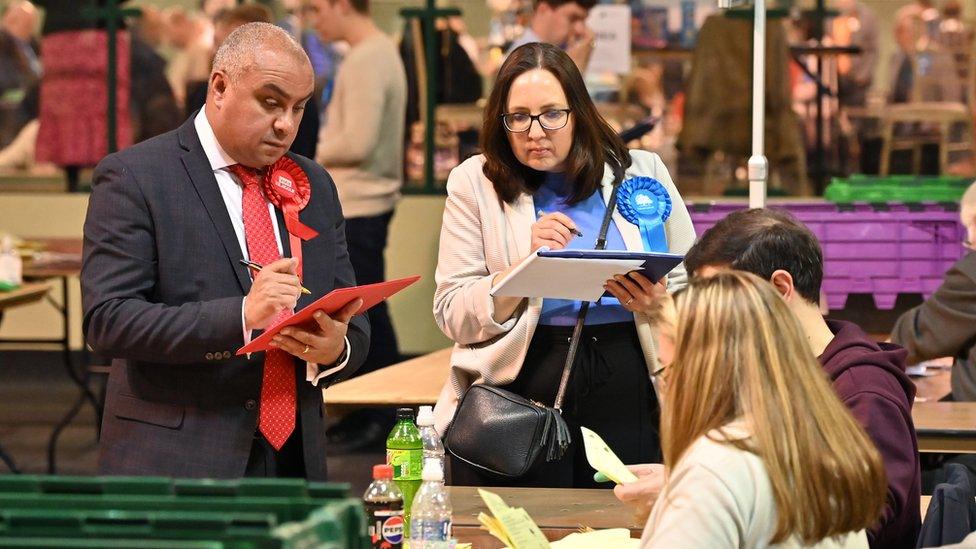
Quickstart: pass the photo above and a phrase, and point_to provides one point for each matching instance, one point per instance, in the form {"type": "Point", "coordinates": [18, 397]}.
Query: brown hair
{"type": "Point", "coordinates": [585, 4]}
{"type": "Point", "coordinates": [359, 6]}
{"type": "Point", "coordinates": [594, 142]}
{"type": "Point", "coordinates": [740, 354]}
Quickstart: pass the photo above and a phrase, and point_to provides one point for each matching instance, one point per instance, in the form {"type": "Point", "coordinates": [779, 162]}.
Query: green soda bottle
{"type": "Point", "coordinates": [405, 452]}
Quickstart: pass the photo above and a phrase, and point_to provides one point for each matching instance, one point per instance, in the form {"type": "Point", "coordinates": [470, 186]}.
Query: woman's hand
{"type": "Point", "coordinates": [637, 293]}
{"type": "Point", "coordinates": [554, 230]}
{"type": "Point", "coordinates": [642, 493]}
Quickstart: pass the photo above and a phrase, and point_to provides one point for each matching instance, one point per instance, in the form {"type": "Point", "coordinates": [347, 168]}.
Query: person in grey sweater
{"type": "Point", "coordinates": [361, 144]}
{"type": "Point", "coordinates": [945, 324]}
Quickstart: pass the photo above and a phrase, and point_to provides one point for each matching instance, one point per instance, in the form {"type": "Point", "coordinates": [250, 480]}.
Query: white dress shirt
{"type": "Point", "coordinates": [233, 194]}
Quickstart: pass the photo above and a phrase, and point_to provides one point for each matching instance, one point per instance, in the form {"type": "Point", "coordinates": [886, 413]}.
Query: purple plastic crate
{"type": "Point", "coordinates": [884, 253]}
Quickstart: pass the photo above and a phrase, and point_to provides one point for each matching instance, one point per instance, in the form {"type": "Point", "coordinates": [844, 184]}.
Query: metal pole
{"type": "Point", "coordinates": [758, 165]}
{"type": "Point", "coordinates": [820, 152]}
{"type": "Point", "coordinates": [430, 52]}
{"type": "Point", "coordinates": [110, 31]}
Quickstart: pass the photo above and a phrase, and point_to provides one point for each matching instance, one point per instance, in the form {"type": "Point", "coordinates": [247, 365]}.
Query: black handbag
{"type": "Point", "coordinates": [507, 435]}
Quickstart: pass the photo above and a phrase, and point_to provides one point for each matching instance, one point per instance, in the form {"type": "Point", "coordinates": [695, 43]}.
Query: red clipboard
{"type": "Point", "coordinates": [372, 295]}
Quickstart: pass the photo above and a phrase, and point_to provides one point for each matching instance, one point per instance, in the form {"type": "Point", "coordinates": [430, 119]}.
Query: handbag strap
{"type": "Point", "coordinates": [601, 243]}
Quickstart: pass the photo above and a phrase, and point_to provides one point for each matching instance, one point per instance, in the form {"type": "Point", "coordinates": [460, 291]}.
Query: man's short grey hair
{"type": "Point", "coordinates": [237, 54]}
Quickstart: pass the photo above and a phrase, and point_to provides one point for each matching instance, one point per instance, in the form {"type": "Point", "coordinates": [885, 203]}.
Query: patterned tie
{"type": "Point", "coordinates": [276, 420]}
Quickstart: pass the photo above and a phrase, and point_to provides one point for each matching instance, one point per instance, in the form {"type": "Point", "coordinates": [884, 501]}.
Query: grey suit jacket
{"type": "Point", "coordinates": [162, 292]}
{"type": "Point", "coordinates": [945, 325]}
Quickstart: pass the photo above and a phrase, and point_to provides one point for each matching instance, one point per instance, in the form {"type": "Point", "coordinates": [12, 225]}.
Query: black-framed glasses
{"type": "Point", "coordinates": [519, 122]}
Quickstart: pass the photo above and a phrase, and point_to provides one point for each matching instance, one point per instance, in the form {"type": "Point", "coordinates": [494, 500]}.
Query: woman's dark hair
{"type": "Point", "coordinates": [594, 141]}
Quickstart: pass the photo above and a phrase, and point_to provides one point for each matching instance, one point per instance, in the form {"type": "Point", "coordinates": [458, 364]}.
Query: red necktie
{"type": "Point", "coordinates": [276, 420]}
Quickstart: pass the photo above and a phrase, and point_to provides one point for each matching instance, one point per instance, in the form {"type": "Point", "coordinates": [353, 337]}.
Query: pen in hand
{"type": "Point", "coordinates": [257, 267]}
{"type": "Point", "coordinates": [571, 229]}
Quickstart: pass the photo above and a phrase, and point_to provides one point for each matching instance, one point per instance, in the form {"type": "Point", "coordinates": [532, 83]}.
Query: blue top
{"type": "Point", "coordinates": [588, 215]}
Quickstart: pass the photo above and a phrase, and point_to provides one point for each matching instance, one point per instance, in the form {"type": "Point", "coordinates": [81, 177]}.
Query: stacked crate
{"type": "Point", "coordinates": [150, 512]}
{"type": "Point", "coordinates": [879, 249]}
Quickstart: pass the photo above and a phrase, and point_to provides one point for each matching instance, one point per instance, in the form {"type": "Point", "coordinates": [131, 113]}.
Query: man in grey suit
{"type": "Point", "coordinates": [945, 324]}
{"type": "Point", "coordinates": [166, 296]}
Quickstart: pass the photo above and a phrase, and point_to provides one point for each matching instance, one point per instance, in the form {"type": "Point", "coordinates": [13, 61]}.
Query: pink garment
{"type": "Point", "coordinates": [74, 98]}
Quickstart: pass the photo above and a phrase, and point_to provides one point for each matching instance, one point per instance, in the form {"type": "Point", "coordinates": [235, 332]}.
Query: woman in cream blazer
{"type": "Point", "coordinates": [483, 235]}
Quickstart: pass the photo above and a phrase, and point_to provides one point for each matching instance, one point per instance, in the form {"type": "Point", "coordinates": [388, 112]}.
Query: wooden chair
{"type": "Point", "coordinates": [935, 122]}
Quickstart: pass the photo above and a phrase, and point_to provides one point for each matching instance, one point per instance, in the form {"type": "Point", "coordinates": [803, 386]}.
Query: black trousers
{"type": "Point", "coordinates": [609, 391]}
{"type": "Point", "coordinates": [366, 240]}
{"type": "Point", "coordinates": [266, 462]}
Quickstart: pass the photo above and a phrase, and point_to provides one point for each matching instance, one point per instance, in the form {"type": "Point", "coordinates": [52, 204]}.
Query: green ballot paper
{"type": "Point", "coordinates": [602, 458]}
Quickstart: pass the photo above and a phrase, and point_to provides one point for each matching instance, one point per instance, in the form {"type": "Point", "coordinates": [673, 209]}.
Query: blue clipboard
{"type": "Point", "coordinates": [655, 265]}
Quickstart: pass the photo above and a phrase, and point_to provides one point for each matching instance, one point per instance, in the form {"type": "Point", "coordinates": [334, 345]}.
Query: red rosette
{"type": "Point", "coordinates": [287, 187]}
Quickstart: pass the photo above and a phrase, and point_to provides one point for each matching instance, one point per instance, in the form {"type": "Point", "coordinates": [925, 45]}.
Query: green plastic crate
{"type": "Point", "coordinates": [323, 528]}
{"type": "Point", "coordinates": [895, 188]}
{"type": "Point", "coordinates": [315, 531]}
{"type": "Point", "coordinates": [100, 543]}
{"type": "Point", "coordinates": [283, 500]}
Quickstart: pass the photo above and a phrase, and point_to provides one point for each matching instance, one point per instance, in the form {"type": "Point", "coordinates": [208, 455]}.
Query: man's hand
{"type": "Point", "coordinates": [323, 344]}
{"type": "Point", "coordinates": [642, 493]}
{"type": "Point", "coordinates": [276, 287]}
{"type": "Point", "coordinates": [580, 47]}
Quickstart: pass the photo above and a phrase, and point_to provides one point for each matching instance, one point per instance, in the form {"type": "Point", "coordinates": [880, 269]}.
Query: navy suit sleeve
{"type": "Point", "coordinates": [118, 281]}
{"type": "Point", "coordinates": [358, 333]}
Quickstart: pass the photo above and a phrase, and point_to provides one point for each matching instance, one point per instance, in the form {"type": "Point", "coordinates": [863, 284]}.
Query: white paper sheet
{"type": "Point", "coordinates": [561, 278]}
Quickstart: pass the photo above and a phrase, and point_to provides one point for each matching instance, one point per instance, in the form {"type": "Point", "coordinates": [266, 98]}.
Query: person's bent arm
{"type": "Point", "coordinates": [463, 307]}
{"type": "Point", "coordinates": [118, 278]}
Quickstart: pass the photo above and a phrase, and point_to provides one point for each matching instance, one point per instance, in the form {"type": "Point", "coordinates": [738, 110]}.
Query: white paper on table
{"type": "Point", "coordinates": [561, 278]}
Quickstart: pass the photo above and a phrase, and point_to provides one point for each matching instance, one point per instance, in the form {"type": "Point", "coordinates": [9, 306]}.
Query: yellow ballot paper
{"type": "Point", "coordinates": [602, 458]}
{"type": "Point", "coordinates": [615, 538]}
{"type": "Point", "coordinates": [512, 526]}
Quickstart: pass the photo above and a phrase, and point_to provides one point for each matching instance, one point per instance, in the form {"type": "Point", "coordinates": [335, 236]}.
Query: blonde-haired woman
{"type": "Point", "coordinates": [759, 450]}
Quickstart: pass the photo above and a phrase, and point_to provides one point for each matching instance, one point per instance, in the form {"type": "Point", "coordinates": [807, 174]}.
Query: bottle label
{"type": "Point", "coordinates": [406, 463]}
{"type": "Point", "coordinates": [430, 529]}
{"type": "Point", "coordinates": [386, 528]}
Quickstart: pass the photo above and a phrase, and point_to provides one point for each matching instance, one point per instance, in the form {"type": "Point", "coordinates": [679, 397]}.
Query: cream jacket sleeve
{"type": "Point", "coordinates": [463, 309]}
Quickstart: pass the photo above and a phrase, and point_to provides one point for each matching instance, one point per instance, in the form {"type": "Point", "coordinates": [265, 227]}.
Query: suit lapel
{"type": "Point", "coordinates": [198, 168]}
{"type": "Point", "coordinates": [520, 219]}
{"type": "Point", "coordinates": [283, 233]}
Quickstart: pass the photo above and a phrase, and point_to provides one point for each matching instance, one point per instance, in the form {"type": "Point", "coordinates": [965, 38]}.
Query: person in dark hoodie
{"type": "Point", "coordinates": [868, 376]}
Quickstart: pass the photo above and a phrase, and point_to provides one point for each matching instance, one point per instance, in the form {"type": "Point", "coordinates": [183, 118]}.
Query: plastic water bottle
{"type": "Point", "coordinates": [433, 447]}
{"type": "Point", "coordinates": [11, 267]}
{"type": "Point", "coordinates": [383, 502]}
{"type": "Point", "coordinates": [430, 520]}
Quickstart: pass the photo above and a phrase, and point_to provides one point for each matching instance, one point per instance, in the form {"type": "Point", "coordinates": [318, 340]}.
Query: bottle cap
{"type": "Point", "coordinates": [404, 413]}
{"type": "Point", "coordinates": [425, 418]}
{"type": "Point", "coordinates": [382, 471]}
{"type": "Point", "coordinates": [432, 471]}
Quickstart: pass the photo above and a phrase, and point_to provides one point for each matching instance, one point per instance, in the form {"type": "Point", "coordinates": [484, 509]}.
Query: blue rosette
{"type": "Point", "coordinates": [644, 202]}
